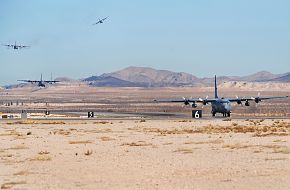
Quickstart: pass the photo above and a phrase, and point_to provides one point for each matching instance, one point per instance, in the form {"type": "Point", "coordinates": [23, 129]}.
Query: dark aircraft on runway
{"type": "Point", "coordinates": [221, 105]}
{"type": "Point", "coordinates": [14, 46]}
{"type": "Point", "coordinates": [100, 21]}
{"type": "Point", "coordinates": [40, 83]}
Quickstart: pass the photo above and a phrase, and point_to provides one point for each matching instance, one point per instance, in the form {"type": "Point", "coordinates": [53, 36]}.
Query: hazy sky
{"type": "Point", "coordinates": [201, 37]}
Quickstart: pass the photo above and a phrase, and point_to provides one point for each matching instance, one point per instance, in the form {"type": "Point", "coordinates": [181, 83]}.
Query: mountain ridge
{"type": "Point", "coordinates": [149, 77]}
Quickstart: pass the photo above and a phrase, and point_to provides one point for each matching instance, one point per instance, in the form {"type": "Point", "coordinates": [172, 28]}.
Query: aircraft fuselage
{"type": "Point", "coordinates": [221, 106]}
{"type": "Point", "coordinates": [40, 84]}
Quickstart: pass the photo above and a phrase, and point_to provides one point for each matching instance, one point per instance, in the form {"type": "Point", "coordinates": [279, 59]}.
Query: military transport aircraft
{"type": "Point", "coordinates": [100, 21]}
{"type": "Point", "coordinates": [221, 105]}
{"type": "Point", "coordinates": [40, 83]}
{"type": "Point", "coordinates": [14, 46]}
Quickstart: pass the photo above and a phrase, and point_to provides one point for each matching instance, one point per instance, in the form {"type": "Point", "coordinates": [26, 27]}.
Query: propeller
{"type": "Point", "coordinates": [204, 101]}
{"type": "Point", "coordinates": [257, 99]}
{"type": "Point", "coordinates": [239, 101]}
{"type": "Point", "coordinates": [186, 101]}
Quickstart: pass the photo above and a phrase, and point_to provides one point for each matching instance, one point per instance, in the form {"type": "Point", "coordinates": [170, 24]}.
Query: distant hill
{"type": "Point", "coordinates": [152, 77]}
{"type": "Point", "coordinates": [285, 78]}
{"type": "Point", "coordinates": [108, 81]}
{"type": "Point", "coordinates": [149, 77]}
{"type": "Point", "coordinates": [258, 77]}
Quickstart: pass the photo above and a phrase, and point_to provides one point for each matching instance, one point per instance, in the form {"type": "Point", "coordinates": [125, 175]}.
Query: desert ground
{"type": "Point", "coordinates": [135, 143]}
{"type": "Point", "coordinates": [145, 154]}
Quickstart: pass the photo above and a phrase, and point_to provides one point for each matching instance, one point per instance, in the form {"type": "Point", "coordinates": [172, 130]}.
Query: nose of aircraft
{"type": "Point", "coordinates": [227, 106]}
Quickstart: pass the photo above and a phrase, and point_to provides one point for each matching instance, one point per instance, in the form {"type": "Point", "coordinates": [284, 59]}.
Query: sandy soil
{"type": "Point", "coordinates": [145, 154]}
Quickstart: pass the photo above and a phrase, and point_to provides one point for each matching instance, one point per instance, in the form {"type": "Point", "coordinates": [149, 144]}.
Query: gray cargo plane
{"type": "Point", "coordinates": [14, 46]}
{"type": "Point", "coordinates": [221, 105]}
{"type": "Point", "coordinates": [101, 21]}
{"type": "Point", "coordinates": [40, 83]}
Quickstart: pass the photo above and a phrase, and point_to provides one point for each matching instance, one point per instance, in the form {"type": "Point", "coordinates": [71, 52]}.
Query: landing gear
{"type": "Point", "coordinates": [227, 114]}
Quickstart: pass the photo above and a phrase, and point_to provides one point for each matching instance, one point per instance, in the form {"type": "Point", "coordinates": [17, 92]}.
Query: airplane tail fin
{"type": "Point", "coordinates": [215, 88]}
{"type": "Point", "coordinates": [41, 77]}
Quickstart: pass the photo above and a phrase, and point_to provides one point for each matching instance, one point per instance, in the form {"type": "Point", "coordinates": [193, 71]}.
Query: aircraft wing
{"type": "Point", "coordinates": [8, 45]}
{"type": "Point", "coordinates": [23, 46]}
{"type": "Point", "coordinates": [104, 18]}
{"type": "Point", "coordinates": [31, 81]}
{"type": "Point", "coordinates": [190, 100]}
{"type": "Point", "coordinates": [97, 22]}
{"type": "Point", "coordinates": [256, 99]}
{"type": "Point", "coordinates": [51, 81]}
{"type": "Point", "coordinates": [101, 21]}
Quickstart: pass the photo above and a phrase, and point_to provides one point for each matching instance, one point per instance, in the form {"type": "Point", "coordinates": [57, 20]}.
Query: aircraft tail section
{"type": "Point", "coordinates": [215, 88]}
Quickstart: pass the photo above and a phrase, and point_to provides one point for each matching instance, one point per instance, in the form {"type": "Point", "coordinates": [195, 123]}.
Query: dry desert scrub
{"type": "Point", "coordinates": [107, 138]}
{"type": "Point", "coordinates": [217, 141]}
{"type": "Point", "coordinates": [18, 147]}
{"type": "Point", "coordinates": [103, 122]}
{"type": "Point", "coordinates": [184, 150]}
{"type": "Point", "coordinates": [88, 152]}
{"type": "Point", "coordinates": [81, 142]}
{"type": "Point", "coordinates": [139, 143]}
{"type": "Point", "coordinates": [271, 159]}
{"type": "Point", "coordinates": [61, 132]}
{"type": "Point", "coordinates": [97, 131]}
{"type": "Point", "coordinates": [282, 150]}
{"type": "Point", "coordinates": [9, 185]}
{"type": "Point", "coordinates": [31, 122]}
{"type": "Point", "coordinates": [259, 148]}
{"type": "Point", "coordinates": [183, 121]}
{"type": "Point", "coordinates": [42, 157]}
{"type": "Point", "coordinates": [11, 132]}
{"type": "Point", "coordinates": [23, 173]}
{"type": "Point", "coordinates": [280, 129]}
{"type": "Point", "coordinates": [236, 146]}
{"type": "Point", "coordinates": [43, 152]}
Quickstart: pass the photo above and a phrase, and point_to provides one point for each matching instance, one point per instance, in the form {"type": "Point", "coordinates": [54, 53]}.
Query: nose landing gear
{"type": "Point", "coordinates": [227, 114]}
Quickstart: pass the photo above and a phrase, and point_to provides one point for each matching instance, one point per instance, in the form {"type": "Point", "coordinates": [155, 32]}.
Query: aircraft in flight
{"type": "Point", "coordinates": [40, 83]}
{"type": "Point", "coordinates": [15, 46]}
{"type": "Point", "coordinates": [221, 105]}
{"type": "Point", "coordinates": [101, 21]}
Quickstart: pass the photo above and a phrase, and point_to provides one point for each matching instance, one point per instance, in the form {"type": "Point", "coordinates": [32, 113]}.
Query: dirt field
{"type": "Point", "coordinates": [145, 154]}
{"type": "Point", "coordinates": [140, 144]}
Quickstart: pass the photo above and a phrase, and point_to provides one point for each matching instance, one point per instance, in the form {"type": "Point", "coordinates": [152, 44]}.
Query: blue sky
{"type": "Point", "coordinates": [201, 37]}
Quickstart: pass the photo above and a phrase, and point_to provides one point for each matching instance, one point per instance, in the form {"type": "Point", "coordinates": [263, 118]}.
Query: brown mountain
{"type": "Point", "coordinates": [149, 77]}
{"type": "Point", "coordinates": [258, 77]}
{"type": "Point", "coordinates": [285, 78]}
{"type": "Point", "coordinates": [108, 81]}
{"type": "Point", "coordinates": [152, 77]}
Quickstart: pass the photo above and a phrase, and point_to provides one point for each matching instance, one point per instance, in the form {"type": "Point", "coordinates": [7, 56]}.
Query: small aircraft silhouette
{"type": "Point", "coordinates": [100, 21]}
{"type": "Point", "coordinates": [40, 83]}
{"type": "Point", "coordinates": [14, 46]}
